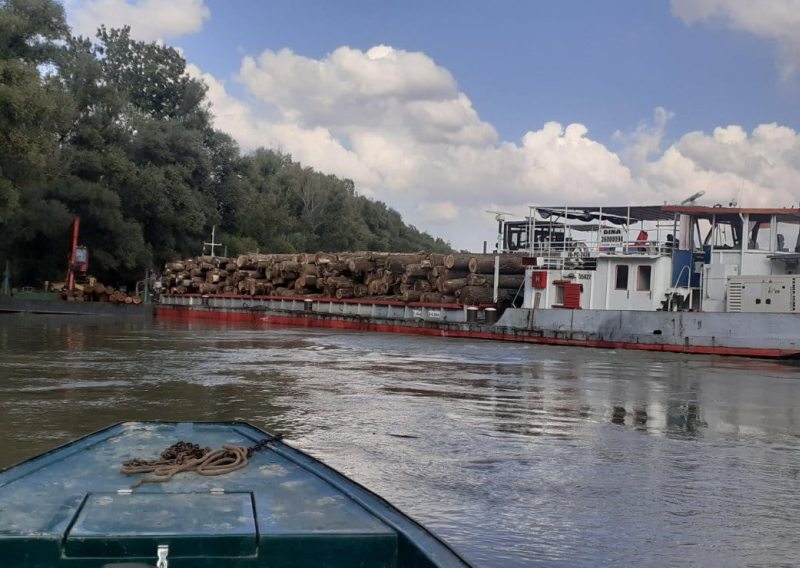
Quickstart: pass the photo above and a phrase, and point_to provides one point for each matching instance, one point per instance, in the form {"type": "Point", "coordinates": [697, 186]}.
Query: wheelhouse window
{"type": "Point", "coordinates": [643, 275]}
{"type": "Point", "coordinates": [621, 277]}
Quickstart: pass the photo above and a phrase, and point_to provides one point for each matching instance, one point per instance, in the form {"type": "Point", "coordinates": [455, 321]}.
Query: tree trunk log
{"type": "Point", "coordinates": [451, 286]}
{"type": "Point", "coordinates": [504, 281]}
{"type": "Point", "coordinates": [484, 264]}
{"type": "Point", "coordinates": [411, 296]}
{"type": "Point", "coordinates": [457, 261]}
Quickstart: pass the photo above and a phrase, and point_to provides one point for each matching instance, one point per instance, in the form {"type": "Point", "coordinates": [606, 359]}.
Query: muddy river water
{"type": "Point", "coordinates": [515, 454]}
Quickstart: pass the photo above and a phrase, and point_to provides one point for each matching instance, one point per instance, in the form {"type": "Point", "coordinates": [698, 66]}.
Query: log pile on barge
{"type": "Point", "coordinates": [99, 293]}
{"type": "Point", "coordinates": [406, 277]}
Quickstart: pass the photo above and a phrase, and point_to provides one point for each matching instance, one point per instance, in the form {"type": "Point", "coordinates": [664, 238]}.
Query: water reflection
{"type": "Point", "coordinates": [517, 454]}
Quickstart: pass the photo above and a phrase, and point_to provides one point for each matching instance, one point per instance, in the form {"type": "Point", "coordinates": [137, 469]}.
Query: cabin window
{"type": "Point", "coordinates": [760, 233]}
{"type": "Point", "coordinates": [643, 278]}
{"type": "Point", "coordinates": [787, 238]}
{"type": "Point", "coordinates": [621, 279]}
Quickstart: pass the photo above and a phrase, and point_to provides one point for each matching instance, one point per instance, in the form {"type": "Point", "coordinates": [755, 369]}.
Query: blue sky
{"type": "Point", "coordinates": [468, 105]}
{"type": "Point", "coordinates": [603, 64]}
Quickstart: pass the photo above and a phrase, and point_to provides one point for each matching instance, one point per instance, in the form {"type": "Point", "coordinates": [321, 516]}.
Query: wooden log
{"type": "Point", "coordinates": [99, 289]}
{"type": "Point", "coordinates": [408, 279]}
{"type": "Point", "coordinates": [397, 262]}
{"type": "Point", "coordinates": [448, 274]}
{"type": "Point", "coordinates": [457, 261]}
{"type": "Point", "coordinates": [411, 296]}
{"type": "Point", "coordinates": [339, 281]}
{"type": "Point", "coordinates": [305, 281]}
{"type": "Point", "coordinates": [256, 286]}
{"type": "Point", "coordinates": [484, 264]}
{"type": "Point", "coordinates": [137, 301]}
{"type": "Point", "coordinates": [360, 290]}
{"type": "Point", "coordinates": [323, 258]}
{"type": "Point", "coordinates": [472, 295]}
{"type": "Point", "coordinates": [128, 300]}
{"type": "Point", "coordinates": [361, 264]}
{"type": "Point", "coordinates": [423, 286]}
{"type": "Point", "coordinates": [208, 288]}
{"type": "Point", "coordinates": [451, 286]}
{"type": "Point", "coordinates": [504, 281]}
{"type": "Point", "coordinates": [250, 274]}
{"type": "Point", "coordinates": [342, 293]}
{"type": "Point", "coordinates": [290, 266]}
{"type": "Point", "coordinates": [109, 290]}
{"type": "Point", "coordinates": [436, 259]}
{"type": "Point", "coordinates": [417, 270]}
{"type": "Point", "coordinates": [221, 261]}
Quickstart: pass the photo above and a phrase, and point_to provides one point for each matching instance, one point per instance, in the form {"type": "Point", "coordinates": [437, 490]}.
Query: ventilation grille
{"type": "Point", "coordinates": [734, 297]}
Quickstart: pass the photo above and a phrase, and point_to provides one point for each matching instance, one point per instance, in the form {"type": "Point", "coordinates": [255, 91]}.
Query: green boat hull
{"type": "Point", "coordinates": [73, 507]}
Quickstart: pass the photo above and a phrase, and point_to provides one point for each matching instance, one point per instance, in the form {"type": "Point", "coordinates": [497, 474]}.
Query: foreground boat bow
{"type": "Point", "coordinates": [73, 507]}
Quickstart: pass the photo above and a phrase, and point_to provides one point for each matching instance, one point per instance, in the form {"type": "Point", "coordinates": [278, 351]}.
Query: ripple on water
{"type": "Point", "coordinates": [516, 454]}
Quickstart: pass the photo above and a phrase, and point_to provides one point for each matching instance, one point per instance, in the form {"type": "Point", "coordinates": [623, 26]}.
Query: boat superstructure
{"type": "Point", "coordinates": [660, 258]}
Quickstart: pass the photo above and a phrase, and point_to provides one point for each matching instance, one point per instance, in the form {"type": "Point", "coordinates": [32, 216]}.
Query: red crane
{"type": "Point", "coordinates": [78, 257]}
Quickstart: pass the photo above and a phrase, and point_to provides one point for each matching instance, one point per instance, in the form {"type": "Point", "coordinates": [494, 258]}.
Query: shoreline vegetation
{"type": "Point", "coordinates": [114, 130]}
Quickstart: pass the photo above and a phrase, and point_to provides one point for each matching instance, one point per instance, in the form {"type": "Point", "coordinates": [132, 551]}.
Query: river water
{"type": "Point", "coordinates": [515, 454]}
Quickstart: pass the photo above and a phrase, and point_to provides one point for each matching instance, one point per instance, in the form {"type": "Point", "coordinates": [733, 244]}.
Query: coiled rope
{"type": "Point", "coordinates": [185, 456]}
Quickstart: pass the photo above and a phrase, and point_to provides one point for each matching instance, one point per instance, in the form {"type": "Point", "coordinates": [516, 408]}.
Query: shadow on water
{"type": "Point", "coordinates": [517, 454]}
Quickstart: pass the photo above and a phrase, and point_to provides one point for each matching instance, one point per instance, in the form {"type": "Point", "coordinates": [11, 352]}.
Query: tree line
{"type": "Point", "coordinates": [115, 131]}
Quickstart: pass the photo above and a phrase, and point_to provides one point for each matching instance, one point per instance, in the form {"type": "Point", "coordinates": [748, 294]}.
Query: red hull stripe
{"type": "Point", "coordinates": [323, 322]}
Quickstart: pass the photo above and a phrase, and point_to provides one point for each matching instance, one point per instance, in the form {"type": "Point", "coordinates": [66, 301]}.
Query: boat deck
{"type": "Point", "coordinates": [73, 507]}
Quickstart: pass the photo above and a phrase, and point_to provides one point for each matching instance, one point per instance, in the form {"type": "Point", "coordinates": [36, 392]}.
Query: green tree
{"type": "Point", "coordinates": [29, 107]}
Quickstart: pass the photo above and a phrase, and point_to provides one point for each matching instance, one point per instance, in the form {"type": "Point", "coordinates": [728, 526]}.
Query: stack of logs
{"type": "Point", "coordinates": [407, 277]}
{"type": "Point", "coordinates": [99, 293]}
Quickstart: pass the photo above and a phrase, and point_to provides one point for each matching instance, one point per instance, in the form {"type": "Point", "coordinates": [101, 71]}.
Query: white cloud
{"type": "Point", "coordinates": [149, 20]}
{"type": "Point", "coordinates": [396, 124]}
{"type": "Point", "coordinates": [777, 20]}
{"type": "Point", "coordinates": [645, 141]}
{"type": "Point", "coordinates": [438, 212]}
{"type": "Point", "coordinates": [758, 169]}
{"type": "Point", "coordinates": [381, 88]}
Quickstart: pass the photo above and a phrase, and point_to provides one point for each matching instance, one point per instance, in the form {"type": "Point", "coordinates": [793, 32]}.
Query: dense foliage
{"type": "Point", "coordinates": [114, 130]}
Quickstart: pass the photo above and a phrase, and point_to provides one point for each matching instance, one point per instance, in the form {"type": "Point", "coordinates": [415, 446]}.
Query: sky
{"type": "Point", "coordinates": [445, 110]}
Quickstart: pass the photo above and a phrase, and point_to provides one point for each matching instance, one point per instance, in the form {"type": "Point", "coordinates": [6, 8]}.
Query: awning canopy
{"type": "Point", "coordinates": [616, 215]}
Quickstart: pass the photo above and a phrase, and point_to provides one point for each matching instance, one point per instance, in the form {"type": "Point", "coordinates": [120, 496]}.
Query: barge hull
{"type": "Point", "coordinates": [748, 335]}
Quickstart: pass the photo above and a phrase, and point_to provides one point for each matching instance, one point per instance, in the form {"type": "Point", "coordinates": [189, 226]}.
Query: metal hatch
{"type": "Point", "coordinates": [111, 525]}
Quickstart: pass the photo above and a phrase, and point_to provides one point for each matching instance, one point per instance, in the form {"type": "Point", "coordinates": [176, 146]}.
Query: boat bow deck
{"type": "Point", "coordinates": [72, 507]}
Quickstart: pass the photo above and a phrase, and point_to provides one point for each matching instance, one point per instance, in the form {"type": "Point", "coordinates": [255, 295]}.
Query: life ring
{"type": "Point", "coordinates": [579, 251]}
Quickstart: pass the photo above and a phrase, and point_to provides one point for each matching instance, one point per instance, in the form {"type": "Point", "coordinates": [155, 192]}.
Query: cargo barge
{"type": "Point", "coordinates": [681, 279]}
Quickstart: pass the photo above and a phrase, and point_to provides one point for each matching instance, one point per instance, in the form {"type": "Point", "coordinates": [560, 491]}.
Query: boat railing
{"type": "Point", "coordinates": [570, 250]}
